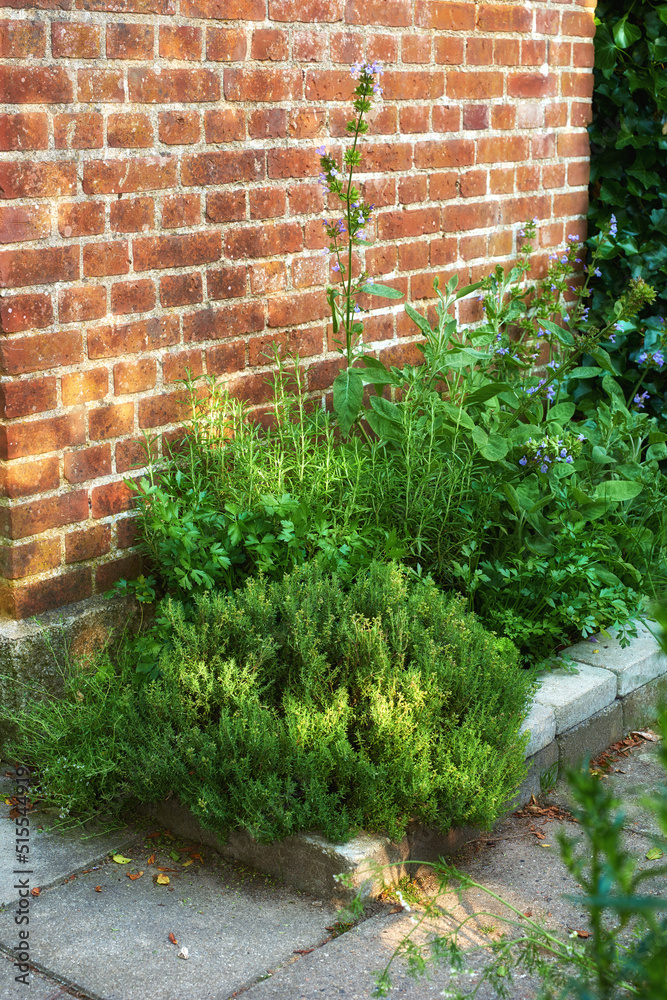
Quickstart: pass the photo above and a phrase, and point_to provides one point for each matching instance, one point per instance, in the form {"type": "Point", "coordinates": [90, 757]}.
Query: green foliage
{"type": "Point", "coordinates": [625, 951]}
{"type": "Point", "coordinates": [628, 170]}
{"type": "Point", "coordinates": [298, 705]}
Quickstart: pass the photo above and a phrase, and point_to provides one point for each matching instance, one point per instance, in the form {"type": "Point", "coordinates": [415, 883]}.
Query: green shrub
{"type": "Point", "coordinates": [296, 705]}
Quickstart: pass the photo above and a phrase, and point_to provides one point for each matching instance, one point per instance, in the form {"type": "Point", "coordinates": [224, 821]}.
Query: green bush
{"type": "Point", "coordinates": [628, 170]}
{"type": "Point", "coordinates": [296, 705]}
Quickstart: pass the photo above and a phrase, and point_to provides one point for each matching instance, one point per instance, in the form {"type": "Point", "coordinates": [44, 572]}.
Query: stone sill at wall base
{"type": "Point", "coordinates": [614, 692]}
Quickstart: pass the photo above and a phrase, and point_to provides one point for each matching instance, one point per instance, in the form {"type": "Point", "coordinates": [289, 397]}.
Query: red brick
{"type": "Point", "coordinates": [80, 218]}
{"type": "Point", "coordinates": [129, 41]}
{"type": "Point", "coordinates": [35, 85]}
{"type": "Point", "coordinates": [507, 51]}
{"type": "Point", "coordinates": [225, 44]}
{"type": "Point", "coordinates": [180, 210]}
{"type": "Point", "coordinates": [176, 251]}
{"type": "Point", "coordinates": [408, 222]}
{"type": "Point", "coordinates": [164, 7]}
{"type": "Point", "coordinates": [531, 85]}
{"type": "Point", "coordinates": [305, 123]}
{"type": "Point", "coordinates": [109, 573]}
{"type": "Point", "coordinates": [577, 84]}
{"type": "Point", "coordinates": [292, 163]}
{"type": "Point", "coordinates": [30, 559]}
{"type": "Point", "coordinates": [446, 118]}
{"type": "Point", "coordinates": [107, 257]}
{"type": "Point", "coordinates": [553, 175]}
{"type": "Point", "coordinates": [127, 529]}
{"type": "Point", "coordinates": [38, 267]}
{"type": "Point", "coordinates": [179, 127]}
{"type": "Point", "coordinates": [533, 52]}
{"type": "Point", "coordinates": [123, 176]}
{"type": "Point", "coordinates": [383, 156]}
{"type": "Point", "coordinates": [225, 167]}
{"type": "Point", "coordinates": [134, 376]}
{"type": "Point", "coordinates": [133, 131]}
{"type": "Point", "coordinates": [416, 48]}
{"type": "Point", "coordinates": [267, 276]}
{"type": "Point", "coordinates": [148, 86]}
{"type": "Point", "coordinates": [555, 114]}
{"type": "Point", "coordinates": [132, 215]}
{"type": "Point", "coordinates": [308, 46]}
{"type": "Point", "coordinates": [25, 130]}
{"type": "Point", "coordinates": [503, 148]}
{"type": "Point", "coordinates": [25, 312]}
{"type": "Point", "coordinates": [269, 43]}
{"type": "Point", "coordinates": [445, 153]}
{"type": "Point", "coordinates": [111, 420]}
{"type": "Point", "coordinates": [264, 83]}
{"type": "Point", "coordinates": [478, 85]}
{"type": "Point", "coordinates": [77, 305]}
{"type": "Point", "coordinates": [101, 86]}
{"type": "Point", "coordinates": [267, 124]}
{"type": "Point", "coordinates": [226, 283]}
{"type": "Point", "coordinates": [167, 408]}
{"type": "Point", "coordinates": [504, 17]}
{"type": "Point", "coordinates": [22, 39]}
{"type": "Point", "coordinates": [264, 241]}
{"type": "Point", "coordinates": [472, 183]}
{"type": "Point", "coordinates": [131, 453]}
{"type": "Point", "coordinates": [224, 322]}
{"type": "Point", "coordinates": [78, 131]}
{"type": "Point", "coordinates": [111, 498]}
{"type": "Point", "coordinates": [547, 22]}
{"type": "Point", "coordinates": [87, 544]}
{"type": "Point", "coordinates": [309, 271]}
{"type": "Point", "coordinates": [27, 179]}
{"type": "Point", "coordinates": [37, 437]}
{"type": "Point", "coordinates": [20, 224]}
{"type": "Point", "coordinates": [177, 366]}
{"type": "Point", "coordinates": [583, 55]}
{"type": "Point", "coordinates": [329, 85]}
{"type": "Point", "coordinates": [226, 358]}
{"type": "Point", "coordinates": [382, 48]}
{"type": "Point", "coordinates": [134, 338]}
{"type": "Point", "coordinates": [445, 16]}
{"type": "Point", "coordinates": [543, 147]}
{"type": "Point", "coordinates": [459, 218]}
{"type": "Point", "coordinates": [320, 375]}
{"type": "Point", "coordinates": [224, 125]}
{"type": "Point", "coordinates": [381, 260]}
{"type": "Point", "coordinates": [82, 387]}
{"type": "Point", "coordinates": [35, 598]}
{"type": "Point", "coordinates": [306, 10]}
{"type": "Point", "coordinates": [528, 177]}
{"type": "Point", "coordinates": [409, 85]}
{"type": "Point", "coordinates": [475, 117]}
{"type": "Point", "coordinates": [413, 188]}
{"type": "Point", "coordinates": [20, 398]}
{"type": "Point", "coordinates": [225, 10]}
{"type": "Point", "coordinates": [580, 23]}
{"type": "Point", "coordinates": [225, 206]}
{"type": "Point", "coordinates": [413, 256]}
{"type": "Point", "coordinates": [581, 114]}
{"type": "Point", "coordinates": [573, 144]}
{"type": "Point", "coordinates": [180, 42]}
{"type": "Point", "coordinates": [579, 173]}
{"type": "Point", "coordinates": [132, 296]}
{"type": "Point", "coordinates": [479, 52]}
{"type": "Point", "coordinates": [88, 463]}
{"type": "Point", "coordinates": [74, 40]}
{"type": "Point", "coordinates": [347, 47]}
{"type": "Point", "coordinates": [261, 350]}
{"type": "Point", "coordinates": [180, 289]}
{"type": "Point", "coordinates": [304, 199]}
{"type": "Point", "coordinates": [503, 117]}
{"type": "Point", "coordinates": [520, 209]}
{"type": "Point", "coordinates": [24, 479]}
{"type": "Point", "coordinates": [288, 310]}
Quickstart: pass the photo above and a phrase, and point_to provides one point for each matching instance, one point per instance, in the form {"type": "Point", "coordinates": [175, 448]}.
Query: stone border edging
{"type": "Point", "coordinates": [614, 691]}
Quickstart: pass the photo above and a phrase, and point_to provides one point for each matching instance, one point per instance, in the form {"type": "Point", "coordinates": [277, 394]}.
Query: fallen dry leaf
{"type": "Point", "coordinates": [302, 951]}
{"type": "Point", "coordinates": [647, 734]}
{"type": "Point", "coordinates": [583, 934]}
{"type": "Point", "coordinates": [155, 833]}
{"type": "Point", "coordinates": [196, 856]}
{"type": "Point", "coordinates": [134, 875]}
{"type": "Point", "coordinates": [162, 880]}
{"type": "Point", "coordinates": [35, 892]}
{"type": "Point", "coordinates": [527, 913]}
{"type": "Point", "coordinates": [186, 863]}
{"type": "Point", "coordinates": [98, 888]}
{"type": "Point", "coordinates": [172, 938]}
{"type": "Point", "coordinates": [166, 869]}
{"type": "Point", "coordinates": [151, 860]}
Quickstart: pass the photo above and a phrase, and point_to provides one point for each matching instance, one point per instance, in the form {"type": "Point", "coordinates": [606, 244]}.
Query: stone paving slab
{"type": "Point", "coordinates": [637, 664]}
{"type": "Point", "coordinates": [541, 724]}
{"type": "Point", "coordinates": [114, 944]}
{"type": "Point", "coordinates": [576, 696]}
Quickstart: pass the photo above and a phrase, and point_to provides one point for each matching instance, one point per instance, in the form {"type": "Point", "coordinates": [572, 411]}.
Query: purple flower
{"type": "Point", "coordinates": [641, 400]}
{"type": "Point", "coordinates": [321, 151]}
{"type": "Point", "coordinates": [658, 358]}
{"type": "Point", "coordinates": [523, 461]}
{"type": "Point", "coordinates": [551, 392]}
{"type": "Point", "coordinates": [544, 468]}
{"type": "Point", "coordinates": [613, 228]}
{"type": "Point", "coordinates": [563, 453]}
{"type": "Point", "coordinates": [357, 309]}
{"type": "Point", "coordinates": [569, 459]}
{"type": "Point", "coordinates": [581, 437]}
{"type": "Point", "coordinates": [642, 358]}
{"type": "Point", "coordinates": [335, 267]}
{"type": "Point", "coordinates": [597, 272]}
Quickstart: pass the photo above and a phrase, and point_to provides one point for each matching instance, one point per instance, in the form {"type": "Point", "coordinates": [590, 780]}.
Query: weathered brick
{"type": "Point", "coordinates": [22, 479]}
{"type": "Point", "coordinates": [109, 573]}
{"type": "Point", "coordinates": [22, 224]}
{"type": "Point", "coordinates": [224, 322]}
{"type": "Point", "coordinates": [43, 595]}
{"type": "Point", "coordinates": [148, 86]}
{"type": "Point", "coordinates": [167, 408]}
{"type": "Point", "coordinates": [319, 11]}
{"type": "Point", "coordinates": [177, 366]}
{"type": "Point", "coordinates": [40, 352]}
{"type": "Point", "coordinates": [225, 206]}
{"type": "Point", "coordinates": [580, 23]}
{"type": "Point", "coordinates": [176, 251]}
{"type": "Point", "coordinates": [101, 86]}
{"type": "Point", "coordinates": [20, 398]}
{"type": "Point", "coordinates": [502, 148]}
{"type": "Point", "coordinates": [309, 271]}
{"type": "Point", "coordinates": [180, 289]}
{"type": "Point", "coordinates": [74, 40]}
{"type": "Point", "coordinates": [27, 179]}
{"type": "Point", "coordinates": [110, 498]}
{"type": "Point", "coordinates": [88, 463]}
{"type": "Point", "coordinates": [133, 338]}
{"type": "Point", "coordinates": [264, 241]}
{"type": "Point", "coordinates": [35, 85]}
{"type": "Point", "coordinates": [110, 421]}
{"type": "Point", "coordinates": [225, 44]}
{"type": "Point", "coordinates": [180, 42]}
{"type": "Point", "coordinates": [504, 17]}
{"type": "Point", "coordinates": [80, 218]}
{"type": "Point", "coordinates": [22, 39]}
{"type": "Point", "coordinates": [408, 222]}
{"type": "Point", "coordinates": [132, 296]}
{"type": "Point", "coordinates": [292, 163]}
{"type": "Point", "coordinates": [24, 130]}
{"type": "Point", "coordinates": [224, 125]}
{"type": "Point", "coordinates": [19, 561]}
{"type": "Point", "coordinates": [132, 215]}
{"type": "Point", "coordinates": [445, 16]}
{"type": "Point", "coordinates": [328, 85]}
{"type": "Point", "coordinates": [123, 176]}
{"type": "Point", "coordinates": [267, 124]}
{"type": "Point", "coordinates": [179, 127]}
{"type": "Point", "coordinates": [478, 85]}
{"type": "Point", "coordinates": [305, 123]}
{"type": "Point", "coordinates": [38, 437]}
{"type": "Point", "coordinates": [222, 167]}
{"type": "Point", "coordinates": [131, 453]}
{"type": "Point", "coordinates": [134, 376]}
{"type": "Point", "coordinates": [410, 85]}
{"type": "Point", "coordinates": [87, 544]}
{"type": "Point", "coordinates": [133, 131]}
{"type": "Point", "coordinates": [226, 358]}
{"type": "Point", "coordinates": [25, 312]}
{"type": "Point", "coordinates": [129, 41]}
{"type": "Point", "coordinates": [38, 267]}
{"type": "Point", "coordinates": [127, 530]}
{"type": "Point", "coordinates": [226, 283]}
{"type": "Point", "coordinates": [82, 387]}
{"type": "Point", "coordinates": [445, 153]}
{"type": "Point", "coordinates": [225, 10]}
{"type": "Point", "coordinates": [264, 83]}
{"type": "Point", "coordinates": [106, 257]}
{"type": "Point", "coordinates": [77, 305]}
{"type": "Point", "coordinates": [269, 43]}
{"type": "Point", "coordinates": [300, 307]}
{"type": "Point", "coordinates": [78, 131]}
{"type": "Point", "coordinates": [267, 276]}
{"type": "Point", "coordinates": [181, 210]}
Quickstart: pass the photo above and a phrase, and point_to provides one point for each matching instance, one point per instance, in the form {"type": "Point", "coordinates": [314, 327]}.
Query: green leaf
{"type": "Point", "coordinates": [495, 449]}
{"type": "Point", "coordinates": [561, 413]}
{"type": "Point", "coordinates": [384, 291]}
{"type": "Point", "coordinates": [467, 289]}
{"type": "Point", "coordinates": [420, 320]}
{"type": "Point", "coordinates": [617, 490]}
{"type": "Point", "coordinates": [487, 391]}
{"type": "Point", "coordinates": [512, 497]}
{"type": "Point", "coordinates": [585, 372]}
{"type": "Point", "coordinates": [602, 358]}
{"type": "Point", "coordinates": [654, 854]}
{"type": "Point", "coordinates": [348, 394]}
{"type": "Point", "coordinates": [458, 415]}
{"type": "Point", "coordinates": [625, 34]}
{"type": "Point", "coordinates": [386, 409]}
{"type": "Point", "coordinates": [120, 860]}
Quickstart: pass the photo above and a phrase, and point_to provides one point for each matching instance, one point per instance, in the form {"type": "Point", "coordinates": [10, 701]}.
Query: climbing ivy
{"type": "Point", "coordinates": [629, 180]}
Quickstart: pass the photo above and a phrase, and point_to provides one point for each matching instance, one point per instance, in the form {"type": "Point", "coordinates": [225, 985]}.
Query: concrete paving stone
{"type": "Point", "coordinates": [541, 724]}
{"type": "Point", "coordinates": [641, 706]}
{"type": "Point", "coordinates": [39, 987]}
{"type": "Point", "coordinates": [634, 666]}
{"type": "Point", "coordinates": [538, 765]}
{"type": "Point", "coordinates": [591, 736]}
{"type": "Point", "coordinates": [114, 944]}
{"type": "Point", "coordinates": [575, 697]}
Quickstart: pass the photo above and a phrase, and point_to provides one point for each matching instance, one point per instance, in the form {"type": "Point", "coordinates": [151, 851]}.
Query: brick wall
{"type": "Point", "coordinates": [160, 211]}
